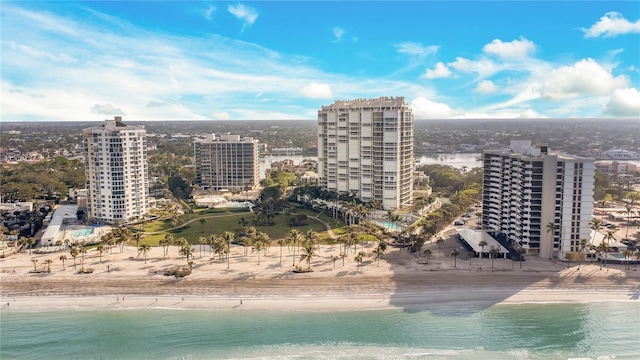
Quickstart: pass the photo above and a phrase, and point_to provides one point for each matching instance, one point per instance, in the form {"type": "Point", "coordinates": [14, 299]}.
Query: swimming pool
{"type": "Point", "coordinates": [82, 232]}
{"type": "Point", "coordinates": [390, 225]}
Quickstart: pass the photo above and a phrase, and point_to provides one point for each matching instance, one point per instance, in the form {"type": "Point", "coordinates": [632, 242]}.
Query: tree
{"type": "Point", "coordinates": [186, 250]}
{"type": "Point", "coordinates": [34, 261]}
{"type": "Point", "coordinates": [282, 243]}
{"type": "Point", "coordinates": [482, 244]}
{"type": "Point", "coordinates": [228, 239]}
{"type": "Point", "coordinates": [63, 258]}
{"type": "Point", "coordinates": [567, 257]}
{"type": "Point", "coordinates": [295, 237]}
{"type": "Point", "coordinates": [74, 253]}
{"type": "Point", "coordinates": [48, 261]}
{"type": "Point", "coordinates": [202, 241]}
{"type": "Point", "coordinates": [439, 242]}
{"type": "Point", "coordinates": [144, 249]}
{"type": "Point", "coordinates": [378, 252]}
{"type": "Point", "coordinates": [359, 257]}
{"type": "Point", "coordinates": [455, 254]}
{"type": "Point", "coordinates": [596, 225]}
{"type": "Point", "coordinates": [427, 254]}
{"type": "Point", "coordinates": [202, 221]}
{"type": "Point", "coordinates": [551, 228]}
{"type": "Point", "coordinates": [100, 249]}
{"type": "Point", "coordinates": [627, 257]}
{"type": "Point", "coordinates": [308, 254]}
{"type": "Point", "coordinates": [493, 252]}
{"type": "Point", "coordinates": [629, 210]}
{"type": "Point", "coordinates": [583, 246]}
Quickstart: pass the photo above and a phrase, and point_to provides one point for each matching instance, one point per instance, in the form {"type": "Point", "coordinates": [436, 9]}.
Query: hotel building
{"type": "Point", "coordinates": [525, 189]}
{"type": "Point", "coordinates": [227, 162]}
{"type": "Point", "coordinates": [365, 147]}
{"type": "Point", "coordinates": [116, 171]}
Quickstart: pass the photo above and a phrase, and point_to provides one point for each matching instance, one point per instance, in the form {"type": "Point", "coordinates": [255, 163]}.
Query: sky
{"type": "Point", "coordinates": [268, 60]}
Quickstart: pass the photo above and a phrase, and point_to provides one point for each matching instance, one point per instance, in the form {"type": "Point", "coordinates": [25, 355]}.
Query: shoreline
{"type": "Point", "coordinates": [401, 280]}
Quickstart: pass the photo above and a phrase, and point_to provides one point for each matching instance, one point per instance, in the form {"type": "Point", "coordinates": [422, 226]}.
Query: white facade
{"type": "Point", "coordinates": [227, 162]}
{"type": "Point", "coordinates": [365, 147]}
{"type": "Point", "coordinates": [526, 188]}
{"type": "Point", "coordinates": [116, 171]}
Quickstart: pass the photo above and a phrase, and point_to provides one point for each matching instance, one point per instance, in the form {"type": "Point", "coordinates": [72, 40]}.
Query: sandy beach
{"type": "Point", "coordinates": [123, 280]}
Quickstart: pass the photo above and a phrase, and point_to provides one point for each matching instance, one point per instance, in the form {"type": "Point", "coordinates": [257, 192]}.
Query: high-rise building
{"type": "Point", "coordinates": [227, 162]}
{"type": "Point", "coordinates": [116, 171]}
{"type": "Point", "coordinates": [525, 189]}
{"type": "Point", "coordinates": [365, 147]}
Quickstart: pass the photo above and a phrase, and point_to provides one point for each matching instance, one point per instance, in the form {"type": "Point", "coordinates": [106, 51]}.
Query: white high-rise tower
{"type": "Point", "coordinates": [365, 147]}
{"type": "Point", "coordinates": [116, 171]}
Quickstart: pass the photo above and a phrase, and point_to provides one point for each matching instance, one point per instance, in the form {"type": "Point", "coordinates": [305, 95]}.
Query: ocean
{"type": "Point", "coordinates": [605, 330]}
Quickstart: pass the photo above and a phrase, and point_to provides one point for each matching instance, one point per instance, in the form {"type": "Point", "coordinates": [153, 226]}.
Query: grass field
{"type": "Point", "coordinates": [217, 221]}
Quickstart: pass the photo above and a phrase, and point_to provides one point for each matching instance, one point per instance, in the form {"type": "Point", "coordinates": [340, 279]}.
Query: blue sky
{"type": "Point", "coordinates": [283, 60]}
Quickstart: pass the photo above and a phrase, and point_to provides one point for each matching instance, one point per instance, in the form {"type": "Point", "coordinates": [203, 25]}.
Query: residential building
{"type": "Point", "coordinates": [526, 188]}
{"type": "Point", "coordinates": [116, 172]}
{"type": "Point", "coordinates": [227, 162]}
{"type": "Point", "coordinates": [365, 147]}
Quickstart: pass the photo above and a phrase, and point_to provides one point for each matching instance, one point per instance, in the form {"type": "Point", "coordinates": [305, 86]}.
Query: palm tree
{"type": "Point", "coordinates": [551, 228]}
{"type": "Point", "coordinates": [493, 252]}
{"type": "Point", "coordinates": [603, 248]}
{"type": "Point", "coordinates": [427, 254]}
{"type": "Point", "coordinates": [295, 237]}
{"type": "Point", "coordinates": [228, 239]}
{"type": "Point", "coordinates": [202, 241]}
{"type": "Point", "coordinates": [74, 253]}
{"type": "Point", "coordinates": [312, 238]}
{"type": "Point", "coordinates": [144, 249]}
{"type": "Point", "coordinates": [377, 254]}
{"type": "Point", "coordinates": [308, 254]}
{"type": "Point", "coordinates": [282, 243]}
{"type": "Point", "coordinates": [629, 210]}
{"type": "Point", "coordinates": [583, 246]}
{"type": "Point", "coordinates": [100, 249]}
{"type": "Point", "coordinates": [186, 250]}
{"type": "Point", "coordinates": [596, 225]}
{"type": "Point", "coordinates": [455, 254]}
{"type": "Point", "coordinates": [34, 261]}
{"type": "Point", "coordinates": [202, 221]}
{"type": "Point", "coordinates": [482, 244]}
{"type": "Point", "coordinates": [359, 257]}
{"type": "Point", "coordinates": [627, 257]}
{"type": "Point", "coordinates": [63, 258]}
{"type": "Point", "coordinates": [637, 255]}
{"type": "Point", "coordinates": [48, 261]}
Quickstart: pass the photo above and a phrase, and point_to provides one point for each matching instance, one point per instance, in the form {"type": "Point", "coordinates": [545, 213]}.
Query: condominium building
{"type": "Point", "coordinates": [525, 189]}
{"type": "Point", "coordinates": [116, 171]}
{"type": "Point", "coordinates": [227, 162]}
{"type": "Point", "coordinates": [365, 147]}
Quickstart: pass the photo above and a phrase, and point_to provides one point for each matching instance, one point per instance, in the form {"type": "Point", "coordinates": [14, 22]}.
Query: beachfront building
{"type": "Point", "coordinates": [116, 172]}
{"type": "Point", "coordinates": [365, 147]}
{"type": "Point", "coordinates": [227, 162]}
{"type": "Point", "coordinates": [525, 189]}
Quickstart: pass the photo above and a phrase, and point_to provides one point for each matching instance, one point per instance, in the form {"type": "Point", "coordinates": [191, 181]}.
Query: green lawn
{"type": "Point", "coordinates": [217, 221]}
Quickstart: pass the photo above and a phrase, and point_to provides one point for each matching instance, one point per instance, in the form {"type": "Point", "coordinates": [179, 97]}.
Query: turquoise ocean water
{"type": "Point", "coordinates": [445, 331]}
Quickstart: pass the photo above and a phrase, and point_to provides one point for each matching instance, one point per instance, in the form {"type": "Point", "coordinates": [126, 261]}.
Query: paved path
{"type": "Point", "coordinates": [329, 230]}
{"type": "Point", "coordinates": [190, 221]}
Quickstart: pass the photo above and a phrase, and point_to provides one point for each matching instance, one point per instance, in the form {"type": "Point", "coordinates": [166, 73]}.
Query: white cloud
{"type": "Point", "coordinates": [484, 68]}
{"type": "Point", "coordinates": [610, 25]}
{"type": "Point", "coordinates": [208, 12]}
{"type": "Point", "coordinates": [624, 102]}
{"type": "Point", "coordinates": [413, 48]}
{"type": "Point", "coordinates": [220, 115]}
{"type": "Point", "coordinates": [338, 33]}
{"type": "Point", "coordinates": [439, 71]}
{"type": "Point", "coordinates": [530, 114]}
{"type": "Point", "coordinates": [424, 108]}
{"type": "Point", "coordinates": [518, 48]}
{"type": "Point", "coordinates": [486, 87]}
{"type": "Point", "coordinates": [106, 109]}
{"type": "Point", "coordinates": [317, 91]}
{"type": "Point", "coordinates": [244, 13]}
{"type": "Point", "coordinates": [586, 77]}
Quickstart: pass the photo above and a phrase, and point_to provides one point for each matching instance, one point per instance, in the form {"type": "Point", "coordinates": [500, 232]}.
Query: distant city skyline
{"type": "Point", "coordinates": [283, 60]}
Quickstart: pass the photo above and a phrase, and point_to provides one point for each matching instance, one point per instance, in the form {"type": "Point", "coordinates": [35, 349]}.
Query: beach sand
{"type": "Point", "coordinates": [123, 280]}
